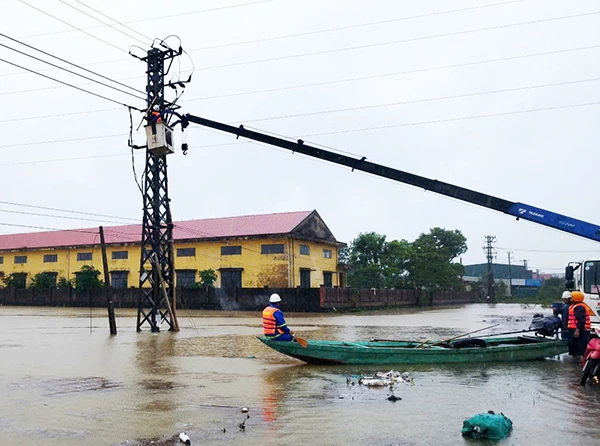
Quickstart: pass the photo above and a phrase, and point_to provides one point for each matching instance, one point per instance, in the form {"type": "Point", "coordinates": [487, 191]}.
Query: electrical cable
{"type": "Point", "coordinates": [462, 118]}
{"type": "Point", "coordinates": [47, 228]}
{"type": "Point", "coordinates": [67, 211]}
{"type": "Point", "coordinates": [360, 25]}
{"type": "Point", "coordinates": [70, 63]}
{"type": "Point", "coordinates": [352, 130]}
{"type": "Point", "coordinates": [67, 84]}
{"type": "Point", "coordinates": [439, 98]}
{"type": "Point", "coordinates": [376, 76]}
{"type": "Point", "coordinates": [65, 217]}
{"type": "Point", "coordinates": [394, 42]}
{"type": "Point", "coordinates": [101, 21]}
{"type": "Point", "coordinates": [73, 72]}
{"type": "Point", "coordinates": [73, 26]}
{"type": "Point", "coordinates": [418, 101]}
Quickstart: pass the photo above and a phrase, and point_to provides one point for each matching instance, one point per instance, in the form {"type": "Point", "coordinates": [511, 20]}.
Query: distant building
{"type": "Point", "coordinates": [518, 279]}
{"type": "Point", "coordinates": [285, 250]}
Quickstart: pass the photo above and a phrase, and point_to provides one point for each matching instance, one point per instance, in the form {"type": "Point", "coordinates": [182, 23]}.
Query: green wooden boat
{"type": "Point", "coordinates": [470, 350]}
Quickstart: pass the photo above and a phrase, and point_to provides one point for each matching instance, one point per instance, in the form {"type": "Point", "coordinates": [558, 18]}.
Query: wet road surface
{"type": "Point", "coordinates": [66, 382]}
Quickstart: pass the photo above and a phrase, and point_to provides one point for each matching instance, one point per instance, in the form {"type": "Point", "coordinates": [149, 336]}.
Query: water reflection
{"type": "Point", "coordinates": [154, 360]}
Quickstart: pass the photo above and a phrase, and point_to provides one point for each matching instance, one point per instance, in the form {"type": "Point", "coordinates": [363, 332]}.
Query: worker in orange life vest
{"type": "Point", "coordinates": [155, 115]}
{"type": "Point", "coordinates": [274, 325]}
{"type": "Point", "coordinates": [579, 324]}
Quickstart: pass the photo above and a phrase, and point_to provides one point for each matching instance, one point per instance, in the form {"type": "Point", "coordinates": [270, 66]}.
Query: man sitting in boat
{"type": "Point", "coordinates": [274, 326]}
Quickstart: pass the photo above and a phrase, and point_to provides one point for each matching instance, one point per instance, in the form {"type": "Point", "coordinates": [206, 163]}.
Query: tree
{"type": "Point", "coordinates": [64, 284]}
{"type": "Point", "coordinates": [551, 290]}
{"type": "Point", "coordinates": [16, 280]}
{"type": "Point", "coordinates": [377, 263]}
{"type": "Point", "coordinates": [431, 265]}
{"type": "Point", "coordinates": [88, 278]}
{"type": "Point", "coordinates": [364, 258]}
{"type": "Point", "coordinates": [42, 281]}
{"type": "Point", "coordinates": [208, 277]}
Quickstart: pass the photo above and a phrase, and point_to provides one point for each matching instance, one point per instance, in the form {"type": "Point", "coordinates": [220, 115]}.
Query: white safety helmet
{"type": "Point", "coordinates": [274, 298]}
{"type": "Point", "coordinates": [567, 295]}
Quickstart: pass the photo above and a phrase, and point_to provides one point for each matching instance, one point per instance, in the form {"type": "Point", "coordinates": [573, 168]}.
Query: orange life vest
{"type": "Point", "coordinates": [573, 322]}
{"type": "Point", "coordinates": [156, 116]}
{"type": "Point", "coordinates": [270, 327]}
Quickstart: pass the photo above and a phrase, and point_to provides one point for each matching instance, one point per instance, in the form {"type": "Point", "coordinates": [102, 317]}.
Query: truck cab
{"type": "Point", "coordinates": [584, 276]}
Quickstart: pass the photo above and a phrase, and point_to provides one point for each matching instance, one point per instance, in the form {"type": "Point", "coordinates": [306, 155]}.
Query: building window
{"type": "Point", "coordinates": [20, 259]}
{"type": "Point", "coordinates": [272, 249]}
{"type": "Point", "coordinates": [118, 279]}
{"type": "Point", "coordinates": [327, 279]}
{"type": "Point", "coordinates": [186, 277]}
{"type": "Point", "coordinates": [1, 259]}
{"type": "Point", "coordinates": [118, 255]}
{"type": "Point", "coordinates": [83, 256]}
{"type": "Point", "coordinates": [186, 252]}
{"type": "Point", "coordinates": [231, 250]}
{"type": "Point", "coordinates": [52, 278]}
{"type": "Point", "coordinates": [327, 253]}
{"type": "Point", "coordinates": [305, 250]}
{"type": "Point", "coordinates": [50, 258]}
{"type": "Point", "coordinates": [231, 277]}
{"type": "Point", "coordinates": [304, 278]}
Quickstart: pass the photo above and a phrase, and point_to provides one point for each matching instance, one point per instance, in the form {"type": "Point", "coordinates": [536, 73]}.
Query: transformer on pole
{"type": "Point", "coordinates": [157, 273]}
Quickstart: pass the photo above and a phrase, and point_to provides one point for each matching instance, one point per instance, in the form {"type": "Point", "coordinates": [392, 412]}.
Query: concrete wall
{"type": "Point", "coordinates": [244, 299]}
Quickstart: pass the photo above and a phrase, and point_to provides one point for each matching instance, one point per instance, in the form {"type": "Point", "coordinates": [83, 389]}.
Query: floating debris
{"type": "Point", "coordinates": [393, 398]}
{"type": "Point", "coordinates": [183, 437]}
{"type": "Point", "coordinates": [489, 425]}
{"type": "Point", "coordinates": [244, 410]}
{"type": "Point", "coordinates": [383, 379]}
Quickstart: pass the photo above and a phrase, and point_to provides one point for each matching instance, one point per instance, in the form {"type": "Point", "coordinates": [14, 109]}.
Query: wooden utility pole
{"type": "Point", "coordinates": [107, 290]}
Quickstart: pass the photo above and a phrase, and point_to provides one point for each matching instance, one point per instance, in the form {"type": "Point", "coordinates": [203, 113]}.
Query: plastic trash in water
{"type": "Point", "coordinates": [183, 437]}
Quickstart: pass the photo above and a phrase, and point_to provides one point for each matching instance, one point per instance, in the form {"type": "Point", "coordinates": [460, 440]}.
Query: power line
{"type": "Point", "coordinates": [161, 17]}
{"type": "Point", "coordinates": [67, 210]}
{"type": "Point", "coordinates": [66, 61]}
{"type": "Point", "coordinates": [72, 26]}
{"type": "Point", "coordinates": [20, 163]}
{"type": "Point", "coordinates": [418, 101]}
{"type": "Point", "coordinates": [361, 78]}
{"type": "Point", "coordinates": [337, 132]}
{"type": "Point", "coordinates": [363, 107]}
{"type": "Point", "coordinates": [55, 141]}
{"type": "Point", "coordinates": [462, 118]}
{"type": "Point", "coordinates": [372, 45]}
{"type": "Point", "coordinates": [116, 21]}
{"type": "Point", "coordinates": [394, 42]}
{"type": "Point", "coordinates": [65, 217]}
{"type": "Point", "coordinates": [72, 72]}
{"type": "Point", "coordinates": [359, 25]}
{"type": "Point", "coordinates": [103, 22]}
{"type": "Point", "coordinates": [47, 228]}
{"type": "Point", "coordinates": [66, 83]}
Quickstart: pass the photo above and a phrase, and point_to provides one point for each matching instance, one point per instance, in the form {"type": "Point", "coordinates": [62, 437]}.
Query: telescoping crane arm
{"type": "Point", "coordinates": [518, 210]}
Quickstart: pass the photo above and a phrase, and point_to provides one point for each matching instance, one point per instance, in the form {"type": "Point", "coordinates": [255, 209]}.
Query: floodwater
{"type": "Point", "coordinates": [65, 381]}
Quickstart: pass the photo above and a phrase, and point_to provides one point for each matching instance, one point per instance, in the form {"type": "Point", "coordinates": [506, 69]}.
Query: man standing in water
{"type": "Point", "coordinates": [562, 310]}
{"type": "Point", "coordinates": [274, 326]}
{"type": "Point", "coordinates": [579, 325]}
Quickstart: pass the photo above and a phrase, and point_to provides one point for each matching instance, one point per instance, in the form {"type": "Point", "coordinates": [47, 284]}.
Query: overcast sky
{"type": "Point", "coordinates": [450, 90]}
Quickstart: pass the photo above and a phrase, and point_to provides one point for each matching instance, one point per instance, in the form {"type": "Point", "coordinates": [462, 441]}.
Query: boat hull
{"type": "Point", "coordinates": [506, 349]}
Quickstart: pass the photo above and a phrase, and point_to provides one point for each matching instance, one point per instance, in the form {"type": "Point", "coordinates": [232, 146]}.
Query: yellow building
{"type": "Point", "coordinates": [293, 249]}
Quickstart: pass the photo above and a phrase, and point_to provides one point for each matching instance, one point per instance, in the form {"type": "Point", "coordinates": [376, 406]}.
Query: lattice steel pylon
{"type": "Point", "coordinates": [157, 305]}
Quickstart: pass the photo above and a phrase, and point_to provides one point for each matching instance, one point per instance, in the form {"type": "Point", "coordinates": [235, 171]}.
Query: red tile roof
{"type": "Point", "coordinates": [248, 225]}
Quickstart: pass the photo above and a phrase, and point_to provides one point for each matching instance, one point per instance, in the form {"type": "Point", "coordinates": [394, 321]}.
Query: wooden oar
{"type": "Point", "coordinates": [303, 342]}
{"type": "Point", "coordinates": [460, 336]}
